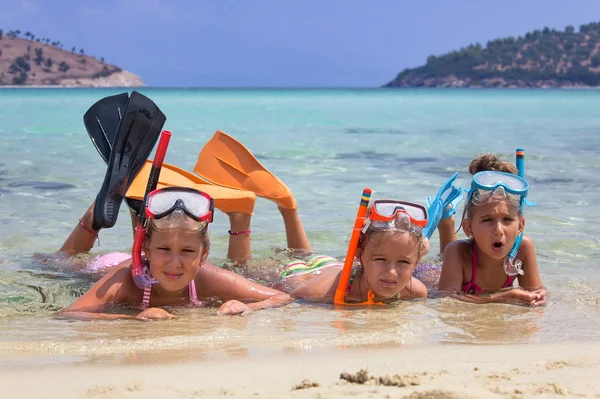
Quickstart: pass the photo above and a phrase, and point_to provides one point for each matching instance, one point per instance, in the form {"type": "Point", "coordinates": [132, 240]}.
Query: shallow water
{"type": "Point", "coordinates": [327, 145]}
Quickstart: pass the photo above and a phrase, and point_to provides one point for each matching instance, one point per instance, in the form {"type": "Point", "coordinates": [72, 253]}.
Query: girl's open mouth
{"type": "Point", "coordinates": [497, 246]}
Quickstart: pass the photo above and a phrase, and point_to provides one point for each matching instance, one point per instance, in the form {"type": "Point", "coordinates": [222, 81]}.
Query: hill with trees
{"type": "Point", "coordinates": [27, 60]}
{"type": "Point", "coordinates": [542, 58]}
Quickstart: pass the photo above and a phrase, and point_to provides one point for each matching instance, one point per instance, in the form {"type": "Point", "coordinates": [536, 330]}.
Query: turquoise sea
{"type": "Point", "coordinates": [327, 145]}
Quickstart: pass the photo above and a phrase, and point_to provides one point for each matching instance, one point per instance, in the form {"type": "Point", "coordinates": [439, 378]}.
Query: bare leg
{"type": "Point", "coordinates": [134, 221]}
{"type": "Point", "coordinates": [447, 232]}
{"type": "Point", "coordinates": [294, 231]}
{"type": "Point", "coordinates": [82, 239]}
{"type": "Point", "coordinates": [239, 244]}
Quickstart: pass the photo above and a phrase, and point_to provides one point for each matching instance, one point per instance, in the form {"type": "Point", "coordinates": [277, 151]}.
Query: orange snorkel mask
{"type": "Point", "coordinates": [385, 214]}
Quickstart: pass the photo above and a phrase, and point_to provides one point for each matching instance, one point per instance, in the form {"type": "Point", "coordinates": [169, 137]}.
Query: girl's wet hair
{"type": "Point", "coordinates": [491, 162]}
{"type": "Point", "coordinates": [202, 234]}
{"type": "Point", "coordinates": [404, 227]}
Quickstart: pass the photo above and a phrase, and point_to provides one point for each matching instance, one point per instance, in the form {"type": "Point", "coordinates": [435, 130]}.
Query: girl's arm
{"type": "Point", "coordinates": [513, 296]}
{"type": "Point", "coordinates": [115, 287]}
{"type": "Point", "coordinates": [212, 281]}
{"type": "Point", "coordinates": [320, 288]}
{"type": "Point", "coordinates": [531, 280]}
{"type": "Point", "coordinates": [451, 277]}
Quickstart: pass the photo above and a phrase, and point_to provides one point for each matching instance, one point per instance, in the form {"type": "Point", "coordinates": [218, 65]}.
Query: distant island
{"type": "Point", "coordinates": [27, 60]}
{"type": "Point", "coordinates": [541, 59]}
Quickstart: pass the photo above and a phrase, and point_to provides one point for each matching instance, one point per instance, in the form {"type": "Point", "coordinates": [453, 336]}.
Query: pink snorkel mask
{"type": "Point", "coordinates": [179, 208]}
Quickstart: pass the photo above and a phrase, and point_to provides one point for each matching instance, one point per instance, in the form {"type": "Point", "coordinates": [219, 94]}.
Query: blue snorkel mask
{"type": "Point", "coordinates": [488, 184]}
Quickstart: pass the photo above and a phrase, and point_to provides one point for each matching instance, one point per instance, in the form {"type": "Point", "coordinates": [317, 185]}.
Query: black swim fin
{"type": "Point", "coordinates": [102, 121]}
{"type": "Point", "coordinates": [136, 135]}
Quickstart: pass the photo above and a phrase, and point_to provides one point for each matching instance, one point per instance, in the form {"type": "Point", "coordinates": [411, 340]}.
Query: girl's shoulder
{"type": "Point", "coordinates": [526, 244]}
{"type": "Point", "coordinates": [120, 279]}
{"type": "Point", "coordinates": [462, 248]}
{"type": "Point", "coordinates": [526, 250]}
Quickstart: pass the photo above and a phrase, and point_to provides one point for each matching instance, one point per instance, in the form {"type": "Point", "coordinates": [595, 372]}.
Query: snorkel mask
{"type": "Point", "coordinates": [513, 188]}
{"type": "Point", "coordinates": [179, 208]}
{"type": "Point", "coordinates": [489, 183]}
{"type": "Point", "coordinates": [397, 215]}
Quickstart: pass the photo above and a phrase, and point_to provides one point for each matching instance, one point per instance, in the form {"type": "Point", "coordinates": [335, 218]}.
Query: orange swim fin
{"type": "Point", "coordinates": [227, 162]}
{"type": "Point", "coordinates": [226, 199]}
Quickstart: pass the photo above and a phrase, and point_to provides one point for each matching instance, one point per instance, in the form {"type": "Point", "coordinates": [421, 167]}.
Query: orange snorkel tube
{"type": "Point", "coordinates": [359, 222]}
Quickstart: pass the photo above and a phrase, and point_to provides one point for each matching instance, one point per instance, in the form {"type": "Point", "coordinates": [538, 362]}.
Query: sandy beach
{"type": "Point", "coordinates": [441, 371]}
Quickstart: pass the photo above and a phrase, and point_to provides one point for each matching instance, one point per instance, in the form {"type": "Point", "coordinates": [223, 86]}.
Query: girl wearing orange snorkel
{"type": "Point", "coordinates": [380, 266]}
{"type": "Point", "coordinates": [387, 249]}
{"type": "Point", "coordinates": [496, 252]}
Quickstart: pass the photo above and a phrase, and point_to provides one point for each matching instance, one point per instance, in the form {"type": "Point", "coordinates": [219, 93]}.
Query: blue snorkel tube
{"type": "Point", "coordinates": [512, 267]}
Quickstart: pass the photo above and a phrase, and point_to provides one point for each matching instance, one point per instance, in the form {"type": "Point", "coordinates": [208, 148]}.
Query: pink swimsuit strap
{"type": "Point", "coordinates": [191, 290]}
{"type": "Point", "coordinates": [471, 287]}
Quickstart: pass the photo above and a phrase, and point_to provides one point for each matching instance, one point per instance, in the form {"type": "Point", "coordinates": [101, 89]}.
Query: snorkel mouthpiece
{"type": "Point", "coordinates": [514, 267]}
{"type": "Point", "coordinates": [140, 274]}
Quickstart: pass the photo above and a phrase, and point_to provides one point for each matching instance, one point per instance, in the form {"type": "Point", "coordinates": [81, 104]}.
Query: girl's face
{"type": "Point", "coordinates": [494, 226]}
{"type": "Point", "coordinates": [174, 257]}
{"type": "Point", "coordinates": [389, 259]}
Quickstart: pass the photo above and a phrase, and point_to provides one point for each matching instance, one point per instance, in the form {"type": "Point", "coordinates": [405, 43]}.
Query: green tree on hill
{"type": "Point", "coordinates": [63, 67]}
{"type": "Point", "coordinates": [39, 56]}
{"type": "Point", "coordinates": [540, 55]}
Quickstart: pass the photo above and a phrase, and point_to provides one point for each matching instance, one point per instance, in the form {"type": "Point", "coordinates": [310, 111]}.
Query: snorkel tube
{"type": "Point", "coordinates": [512, 267]}
{"type": "Point", "coordinates": [141, 276]}
{"type": "Point", "coordinates": [520, 162]}
{"type": "Point", "coordinates": [340, 293]}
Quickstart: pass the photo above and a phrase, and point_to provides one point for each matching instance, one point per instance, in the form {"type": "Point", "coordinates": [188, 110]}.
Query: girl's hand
{"type": "Point", "coordinates": [521, 296]}
{"type": "Point", "coordinates": [155, 314]}
{"type": "Point", "coordinates": [233, 307]}
{"type": "Point", "coordinates": [541, 300]}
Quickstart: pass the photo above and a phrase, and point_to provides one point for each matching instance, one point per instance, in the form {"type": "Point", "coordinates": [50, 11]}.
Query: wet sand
{"type": "Point", "coordinates": [440, 371]}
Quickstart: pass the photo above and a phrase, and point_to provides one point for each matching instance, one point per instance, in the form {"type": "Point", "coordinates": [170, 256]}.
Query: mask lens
{"type": "Point", "coordinates": [494, 179]}
{"type": "Point", "coordinates": [163, 201]}
{"type": "Point", "coordinates": [387, 210]}
{"type": "Point", "coordinates": [178, 220]}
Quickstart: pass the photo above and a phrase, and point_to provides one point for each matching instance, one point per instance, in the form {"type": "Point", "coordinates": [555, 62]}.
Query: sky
{"type": "Point", "coordinates": [281, 43]}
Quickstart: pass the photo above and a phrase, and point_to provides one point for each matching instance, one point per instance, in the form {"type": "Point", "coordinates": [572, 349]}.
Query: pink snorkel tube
{"type": "Point", "coordinates": [141, 275]}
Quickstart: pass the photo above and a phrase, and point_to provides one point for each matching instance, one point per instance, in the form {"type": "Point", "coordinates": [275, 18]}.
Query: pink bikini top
{"type": "Point", "coordinates": [471, 287]}
{"type": "Point", "coordinates": [191, 288]}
